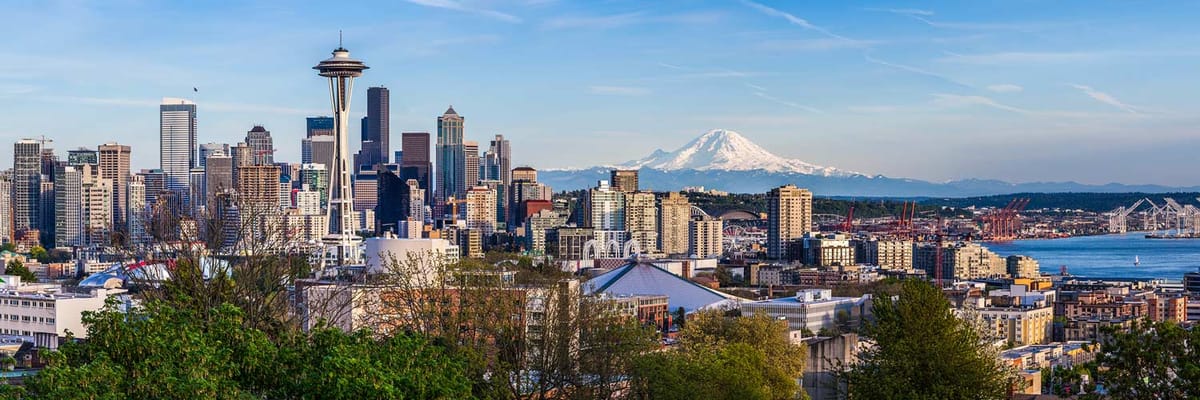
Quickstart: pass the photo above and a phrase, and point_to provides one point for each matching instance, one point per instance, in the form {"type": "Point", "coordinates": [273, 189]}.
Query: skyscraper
{"type": "Point", "coordinates": [498, 161]}
{"type": "Point", "coordinates": [177, 142]}
{"type": "Point", "coordinates": [450, 163]}
{"type": "Point", "coordinates": [707, 237]}
{"type": "Point", "coordinates": [322, 150]}
{"type": "Point", "coordinates": [83, 156]}
{"type": "Point", "coordinates": [318, 126]}
{"type": "Point", "coordinates": [394, 205]}
{"type": "Point", "coordinates": [675, 213]}
{"type": "Point", "coordinates": [114, 166]}
{"type": "Point", "coordinates": [207, 149]}
{"type": "Point", "coordinates": [26, 184]}
{"type": "Point", "coordinates": [6, 211]}
{"type": "Point", "coordinates": [625, 180]}
{"type": "Point", "coordinates": [481, 210]}
{"type": "Point", "coordinates": [470, 175]}
{"type": "Point", "coordinates": [218, 177]}
{"type": "Point", "coordinates": [606, 213]}
{"type": "Point", "coordinates": [136, 214]}
{"type": "Point", "coordinates": [789, 216]}
{"type": "Point", "coordinates": [68, 210]}
{"type": "Point", "coordinates": [641, 220]}
{"type": "Point", "coordinates": [378, 123]}
{"type": "Point", "coordinates": [262, 148]}
{"type": "Point", "coordinates": [414, 160]}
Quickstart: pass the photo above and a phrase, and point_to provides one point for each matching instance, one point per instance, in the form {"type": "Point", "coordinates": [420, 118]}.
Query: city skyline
{"type": "Point", "coordinates": [1051, 91]}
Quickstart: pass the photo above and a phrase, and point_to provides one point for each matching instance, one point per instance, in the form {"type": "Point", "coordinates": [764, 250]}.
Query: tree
{"type": "Point", "coordinates": [39, 253]}
{"type": "Point", "coordinates": [923, 351]}
{"type": "Point", "coordinates": [724, 357]}
{"type": "Point", "coordinates": [15, 267]}
{"type": "Point", "coordinates": [1151, 360]}
{"type": "Point", "coordinates": [8, 246]}
{"type": "Point", "coordinates": [163, 352]}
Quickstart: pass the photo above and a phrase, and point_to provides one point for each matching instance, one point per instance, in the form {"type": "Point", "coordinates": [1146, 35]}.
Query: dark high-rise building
{"type": "Point", "coordinates": [378, 123]}
{"type": "Point", "coordinates": [318, 126]}
{"type": "Point", "coordinates": [393, 203]}
{"type": "Point", "coordinates": [625, 180]}
{"type": "Point", "coordinates": [82, 156]}
{"type": "Point", "coordinates": [415, 162]}
{"type": "Point", "coordinates": [208, 149]}
{"type": "Point", "coordinates": [451, 180]}
{"type": "Point", "coordinates": [27, 184]}
{"type": "Point", "coordinates": [375, 131]}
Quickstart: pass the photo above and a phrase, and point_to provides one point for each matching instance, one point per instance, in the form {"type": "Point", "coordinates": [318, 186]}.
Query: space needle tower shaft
{"type": "Point", "coordinates": [341, 238]}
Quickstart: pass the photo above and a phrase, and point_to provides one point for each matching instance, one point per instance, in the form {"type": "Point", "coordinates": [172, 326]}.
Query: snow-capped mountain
{"type": "Point", "coordinates": [725, 160]}
{"type": "Point", "coordinates": [726, 150]}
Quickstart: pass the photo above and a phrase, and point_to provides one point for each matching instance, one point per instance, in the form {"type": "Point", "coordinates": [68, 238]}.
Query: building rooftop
{"type": "Point", "coordinates": [639, 277]}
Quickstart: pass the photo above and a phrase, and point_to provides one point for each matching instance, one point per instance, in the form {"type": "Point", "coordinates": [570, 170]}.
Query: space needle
{"type": "Point", "coordinates": [341, 237]}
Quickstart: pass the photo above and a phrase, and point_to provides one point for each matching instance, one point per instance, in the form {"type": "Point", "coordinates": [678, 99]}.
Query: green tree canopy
{"type": "Point", "coordinates": [723, 357]}
{"type": "Point", "coordinates": [922, 350]}
{"type": "Point", "coordinates": [1158, 360]}
{"type": "Point", "coordinates": [161, 352]}
{"type": "Point", "coordinates": [39, 253]}
{"type": "Point", "coordinates": [18, 268]}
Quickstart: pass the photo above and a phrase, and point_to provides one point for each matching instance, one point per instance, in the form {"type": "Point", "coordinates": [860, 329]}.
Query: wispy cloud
{"type": "Point", "coordinates": [815, 44]}
{"type": "Point", "coordinates": [1106, 98]}
{"type": "Point", "coordinates": [626, 19]}
{"type": "Point", "coordinates": [455, 41]}
{"type": "Point", "coordinates": [212, 106]}
{"type": "Point", "coordinates": [593, 22]}
{"type": "Point", "coordinates": [791, 104]}
{"type": "Point", "coordinates": [794, 20]}
{"type": "Point", "coordinates": [1025, 58]}
{"type": "Point", "coordinates": [756, 87]}
{"type": "Point", "coordinates": [916, 70]}
{"type": "Point", "coordinates": [955, 100]}
{"type": "Point", "coordinates": [1005, 88]}
{"type": "Point", "coordinates": [458, 6]}
{"type": "Point", "coordinates": [902, 11]}
{"type": "Point", "coordinates": [618, 90]}
{"type": "Point", "coordinates": [671, 66]}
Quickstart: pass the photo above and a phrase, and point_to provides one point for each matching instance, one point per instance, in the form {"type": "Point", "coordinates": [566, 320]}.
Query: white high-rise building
{"type": "Point", "coordinates": [136, 213]}
{"type": "Point", "coordinates": [177, 143]}
{"type": "Point", "coordinates": [481, 210]}
{"type": "Point", "coordinates": [27, 184]}
{"type": "Point", "coordinates": [6, 210]}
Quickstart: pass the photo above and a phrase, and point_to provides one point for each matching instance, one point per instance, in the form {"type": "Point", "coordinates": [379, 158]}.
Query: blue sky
{"type": "Point", "coordinates": [1092, 91]}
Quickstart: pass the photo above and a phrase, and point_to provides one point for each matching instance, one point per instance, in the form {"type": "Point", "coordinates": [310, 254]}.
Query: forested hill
{"type": "Point", "coordinates": [1097, 202]}
{"type": "Point", "coordinates": [879, 207]}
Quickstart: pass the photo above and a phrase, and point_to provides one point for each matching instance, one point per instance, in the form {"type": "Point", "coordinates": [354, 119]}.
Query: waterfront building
{"type": "Point", "coordinates": [1022, 267]}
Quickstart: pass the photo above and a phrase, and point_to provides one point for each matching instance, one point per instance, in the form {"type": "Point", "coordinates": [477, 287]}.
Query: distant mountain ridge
{"type": "Point", "coordinates": [725, 160]}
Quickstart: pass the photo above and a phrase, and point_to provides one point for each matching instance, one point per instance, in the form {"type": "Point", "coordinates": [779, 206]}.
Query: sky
{"type": "Point", "coordinates": [1090, 91]}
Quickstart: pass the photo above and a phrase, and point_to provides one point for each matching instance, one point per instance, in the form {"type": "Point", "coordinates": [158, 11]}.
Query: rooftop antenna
{"type": "Point", "coordinates": [339, 38]}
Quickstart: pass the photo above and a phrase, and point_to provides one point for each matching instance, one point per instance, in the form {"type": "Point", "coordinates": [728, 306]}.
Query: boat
{"type": "Point", "coordinates": [1136, 262]}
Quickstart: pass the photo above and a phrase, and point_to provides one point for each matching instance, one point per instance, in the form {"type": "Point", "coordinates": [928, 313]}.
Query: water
{"type": "Point", "coordinates": [1110, 256]}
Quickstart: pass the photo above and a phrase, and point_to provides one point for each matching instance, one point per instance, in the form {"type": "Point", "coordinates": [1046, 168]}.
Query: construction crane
{"type": "Point", "coordinates": [848, 225]}
{"type": "Point", "coordinates": [1003, 224]}
{"type": "Point", "coordinates": [1117, 222]}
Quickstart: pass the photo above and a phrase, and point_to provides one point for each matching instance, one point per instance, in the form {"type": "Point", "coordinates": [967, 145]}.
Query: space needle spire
{"type": "Point", "coordinates": [342, 237]}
